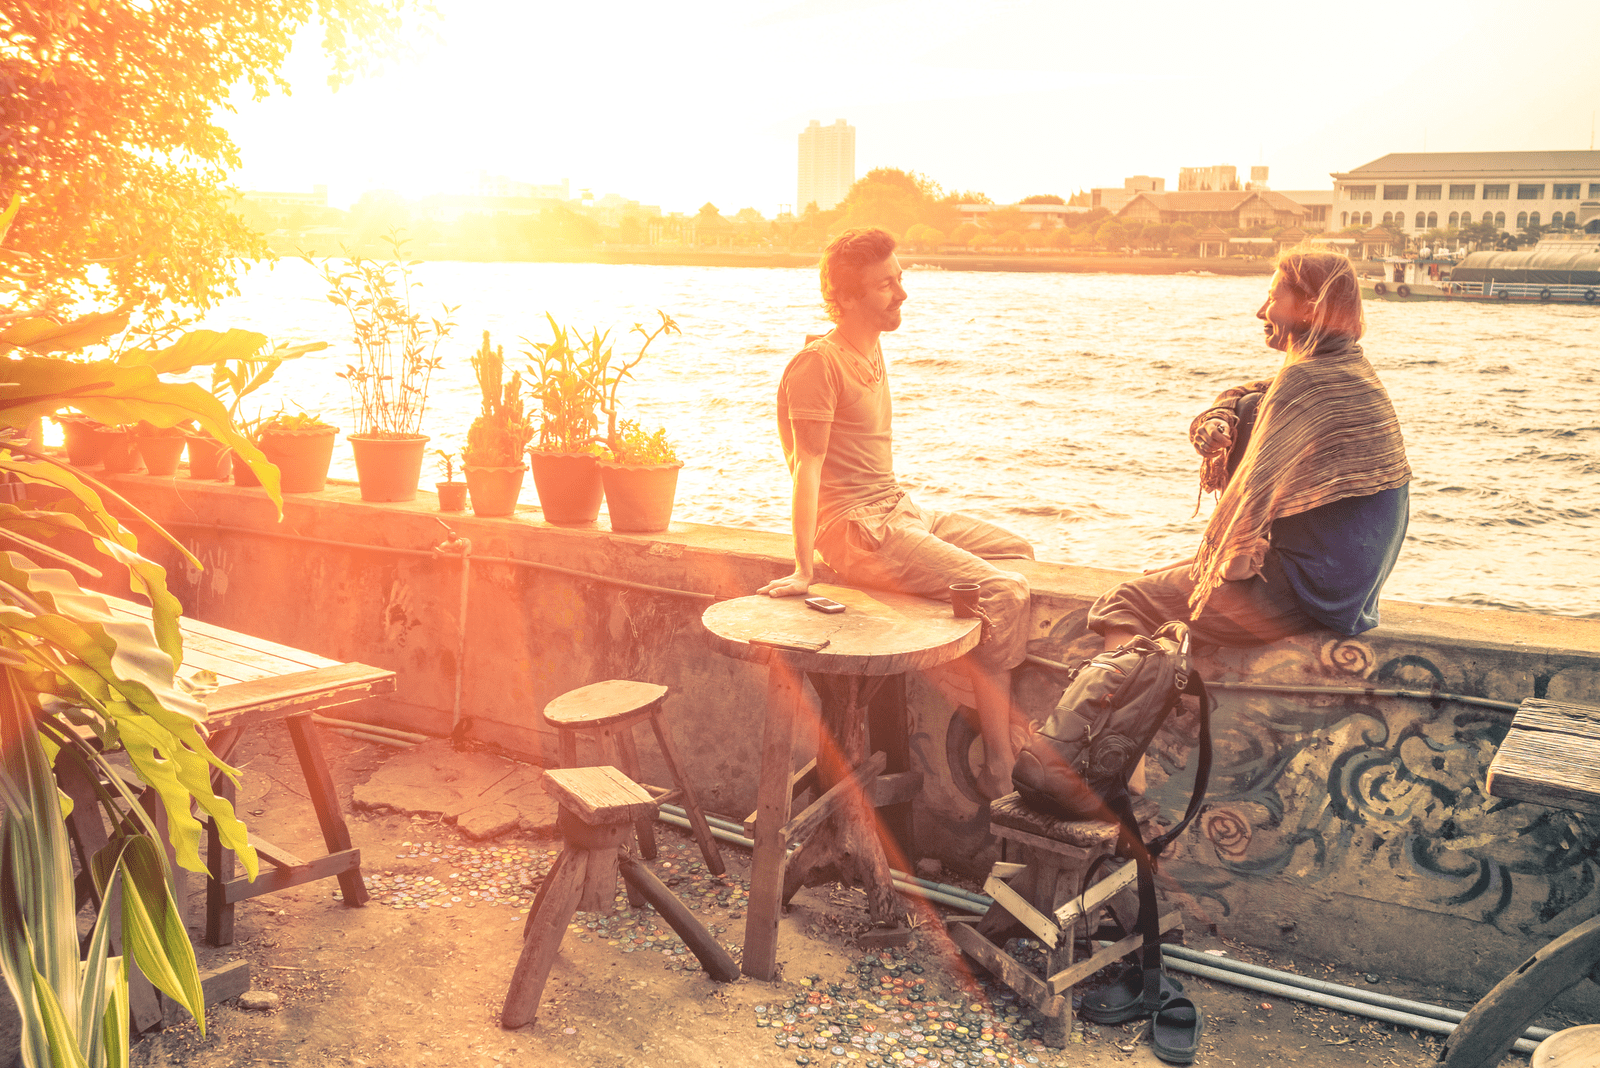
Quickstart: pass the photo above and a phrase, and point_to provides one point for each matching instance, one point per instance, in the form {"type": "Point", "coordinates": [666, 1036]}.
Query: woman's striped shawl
{"type": "Point", "coordinates": [1325, 431]}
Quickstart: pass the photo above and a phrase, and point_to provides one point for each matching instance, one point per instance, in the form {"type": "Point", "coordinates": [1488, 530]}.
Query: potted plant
{"type": "Point", "coordinates": [119, 452]}
{"type": "Point", "coordinates": [161, 446]}
{"type": "Point", "coordinates": [641, 479]}
{"type": "Point", "coordinates": [396, 355]}
{"type": "Point", "coordinates": [452, 494]}
{"type": "Point", "coordinates": [497, 438]}
{"type": "Point", "coordinates": [301, 445]}
{"type": "Point", "coordinates": [574, 384]}
{"type": "Point", "coordinates": [84, 446]}
{"type": "Point", "coordinates": [231, 382]}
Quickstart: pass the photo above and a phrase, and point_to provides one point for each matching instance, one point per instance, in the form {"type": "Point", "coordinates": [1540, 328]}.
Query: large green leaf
{"type": "Point", "coordinates": [46, 335]}
{"type": "Point", "coordinates": [34, 386]}
{"type": "Point", "coordinates": [152, 927]}
{"type": "Point", "coordinates": [194, 349]}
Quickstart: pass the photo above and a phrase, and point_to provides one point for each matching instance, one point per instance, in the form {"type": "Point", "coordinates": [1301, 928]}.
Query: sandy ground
{"type": "Point", "coordinates": [417, 976]}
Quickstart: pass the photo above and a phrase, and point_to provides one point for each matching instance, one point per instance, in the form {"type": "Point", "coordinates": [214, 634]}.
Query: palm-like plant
{"type": "Point", "coordinates": [78, 682]}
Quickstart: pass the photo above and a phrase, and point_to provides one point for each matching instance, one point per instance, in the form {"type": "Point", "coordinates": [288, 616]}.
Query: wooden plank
{"type": "Point", "coordinates": [264, 700]}
{"type": "Point", "coordinates": [1005, 869]}
{"type": "Point", "coordinates": [801, 781]}
{"type": "Point", "coordinates": [1069, 977]}
{"type": "Point", "coordinates": [1003, 967]}
{"type": "Point", "coordinates": [598, 795]}
{"type": "Point", "coordinates": [243, 649]}
{"type": "Point", "coordinates": [1018, 906]}
{"type": "Point", "coordinates": [1536, 712]}
{"type": "Point", "coordinates": [325, 801]}
{"type": "Point", "coordinates": [267, 882]}
{"type": "Point", "coordinates": [1559, 770]}
{"type": "Point", "coordinates": [896, 788]}
{"type": "Point", "coordinates": [800, 828]}
{"type": "Point", "coordinates": [1050, 845]}
{"type": "Point", "coordinates": [1097, 893]}
{"type": "Point", "coordinates": [217, 984]}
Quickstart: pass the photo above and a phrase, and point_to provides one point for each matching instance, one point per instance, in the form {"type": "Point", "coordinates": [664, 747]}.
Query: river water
{"type": "Point", "coordinates": [1054, 404]}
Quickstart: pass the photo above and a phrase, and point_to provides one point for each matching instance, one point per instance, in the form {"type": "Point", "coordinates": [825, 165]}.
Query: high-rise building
{"type": "Point", "coordinates": [1207, 179]}
{"type": "Point", "coordinates": [827, 164]}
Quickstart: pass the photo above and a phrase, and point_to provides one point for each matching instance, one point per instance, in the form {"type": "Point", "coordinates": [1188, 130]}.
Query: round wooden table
{"type": "Point", "coordinates": [848, 656]}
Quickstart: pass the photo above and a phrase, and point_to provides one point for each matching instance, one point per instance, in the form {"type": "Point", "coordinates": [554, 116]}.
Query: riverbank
{"type": "Point", "coordinates": [659, 256]}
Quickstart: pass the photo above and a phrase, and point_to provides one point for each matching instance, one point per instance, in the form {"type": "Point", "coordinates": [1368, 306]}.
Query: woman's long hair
{"type": "Point", "coordinates": [1327, 283]}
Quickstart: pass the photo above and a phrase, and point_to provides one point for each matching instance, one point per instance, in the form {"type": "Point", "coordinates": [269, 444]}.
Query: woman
{"type": "Point", "coordinates": [1310, 519]}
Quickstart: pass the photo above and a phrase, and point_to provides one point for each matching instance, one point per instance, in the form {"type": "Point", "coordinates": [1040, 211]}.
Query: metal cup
{"type": "Point", "coordinates": [964, 599]}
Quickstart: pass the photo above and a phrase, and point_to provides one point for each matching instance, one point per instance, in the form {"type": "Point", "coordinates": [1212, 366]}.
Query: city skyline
{"type": "Point", "coordinates": [703, 103]}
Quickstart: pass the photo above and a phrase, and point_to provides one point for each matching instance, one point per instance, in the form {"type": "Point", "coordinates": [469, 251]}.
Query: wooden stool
{"type": "Point", "coordinates": [612, 709]}
{"type": "Point", "coordinates": [597, 805]}
{"type": "Point", "coordinates": [1042, 900]}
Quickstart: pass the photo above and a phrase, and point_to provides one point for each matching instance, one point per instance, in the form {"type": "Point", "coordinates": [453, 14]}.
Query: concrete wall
{"type": "Point", "coordinates": [1338, 827]}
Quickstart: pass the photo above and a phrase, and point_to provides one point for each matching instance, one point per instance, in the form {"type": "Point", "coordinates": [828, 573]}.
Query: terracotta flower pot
{"type": "Point", "coordinates": [208, 457]}
{"type": "Point", "coordinates": [119, 451]}
{"type": "Point", "coordinates": [452, 496]}
{"type": "Point", "coordinates": [243, 475]}
{"type": "Point", "coordinates": [569, 486]}
{"type": "Point", "coordinates": [84, 446]}
{"type": "Point", "coordinates": [388, 468]}
{"type": "Point", "coordinates": [302, 456]}
{"type": "Point", "coordinates": [494, 490]}
{"type": "Point", "coordinates": [639, 496]}
{"type": "Point", "coordinates": [161, 452]}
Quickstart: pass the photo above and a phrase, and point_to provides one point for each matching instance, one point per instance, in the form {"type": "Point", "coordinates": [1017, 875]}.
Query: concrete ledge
{"type": "Point", "coordinates": [1338, 826]}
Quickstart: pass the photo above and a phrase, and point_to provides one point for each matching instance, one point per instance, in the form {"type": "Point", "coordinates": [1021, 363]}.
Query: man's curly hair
{"type": "Point", "coordinates": [842, 262]}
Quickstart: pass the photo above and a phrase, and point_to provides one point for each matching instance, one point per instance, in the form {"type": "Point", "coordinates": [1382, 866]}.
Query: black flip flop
{"type": "Point", "coordinates": [1175, 1030]}
{"type": "Point", "coordinates": [1122, 999]}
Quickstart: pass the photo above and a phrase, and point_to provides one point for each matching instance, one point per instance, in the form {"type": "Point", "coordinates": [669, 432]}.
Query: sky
{"type": "Point", "coordinates": [701, 101]}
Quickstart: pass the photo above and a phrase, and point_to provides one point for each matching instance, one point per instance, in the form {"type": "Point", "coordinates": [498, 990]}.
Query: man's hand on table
{"type": "Point", "coordinates": [795, 584]}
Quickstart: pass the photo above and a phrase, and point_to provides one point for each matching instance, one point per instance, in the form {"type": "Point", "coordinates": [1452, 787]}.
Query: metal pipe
{"type": "Point", "coordinates": [1345, 1005]}
{"type": "Point", "coordinates": [1344, 691]}
{"type": "Point", "coordinates": [370, 728]}
{"type": "Point", "coordinates": [455, 545]}
{"type": "Point", "coordinates": [1352, 993]}
{"type": "Point", "coordinates": [901, 884]}
{"type": "Point", "coordinates": [510, 561]}
{"type": "Point", "coordinates": [380, 739]}
{"type": "Point", "coordinates": [981, 902]}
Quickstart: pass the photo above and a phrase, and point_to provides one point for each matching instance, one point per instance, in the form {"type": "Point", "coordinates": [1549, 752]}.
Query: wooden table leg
{"type": "Point", "coordinates": [1485, 1035]}
{"type": "Point", "coordinates": [844, 719]}
{"type": "Point", "coordinates": [889, 732]}
{"type": "Point", "coordinates": [785, 710]}
{"type": "Point", "coordinates": [325, 799]}
{"type": "Point", "coordinates": [220, 865]}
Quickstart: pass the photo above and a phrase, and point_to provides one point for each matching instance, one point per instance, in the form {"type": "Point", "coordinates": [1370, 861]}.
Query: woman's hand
{"type": "Point", "coordinates": [1213, 436]}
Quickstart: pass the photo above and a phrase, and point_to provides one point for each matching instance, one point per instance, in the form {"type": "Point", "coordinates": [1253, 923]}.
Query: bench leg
{"type": "Point", "coordinates": [628, 758]}
{"type": "Point", "coordinates": [713, 958]}
{"type": "Point", "coordinates": [691, 801]}
{"type": "Point", "coordinates": [547, 923]}
{"type": "Point", "coordinates": [220, 867]}
{"type": "Point", "coordinates": [325, 799]}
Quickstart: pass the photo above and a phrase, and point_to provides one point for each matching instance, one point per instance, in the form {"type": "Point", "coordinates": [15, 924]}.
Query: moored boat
{"type": "Point", "coordinates": [1561, 269]}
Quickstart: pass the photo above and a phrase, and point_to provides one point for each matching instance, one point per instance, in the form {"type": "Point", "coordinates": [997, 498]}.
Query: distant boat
{"type": "Point", "coordinates": [1561, 269]}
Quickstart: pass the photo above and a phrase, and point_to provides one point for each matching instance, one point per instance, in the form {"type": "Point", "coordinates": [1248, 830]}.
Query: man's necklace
{"type": "Point", "coordinates": [871, 366]}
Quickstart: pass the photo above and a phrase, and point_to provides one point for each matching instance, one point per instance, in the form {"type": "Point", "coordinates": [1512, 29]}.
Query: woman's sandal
{"type": "Point", "coordinates": [1175, 1030]}
{"type": "Point", "coordinates": [1122, 999]}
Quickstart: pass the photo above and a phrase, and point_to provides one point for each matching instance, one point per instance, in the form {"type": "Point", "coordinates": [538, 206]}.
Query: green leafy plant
{"type": "Point", "coordinates": [396, 351]}
{"type": "Point", "coordinates": [446, 464]}
{"type": "Point", "coordinates": [80, 683]}
{"type": "Point", "coordinates": [635, 445]}
{"type": "Point", "coordinates": [498, 436]}
{"type": "Point", "coordinates": [292, 421]}
{"type": "Point", "coordinates": [575, 383]}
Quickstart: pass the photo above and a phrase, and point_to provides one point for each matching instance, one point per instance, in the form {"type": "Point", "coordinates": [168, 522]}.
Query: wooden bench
{"type": "Point", "coordinates": [598, 809]}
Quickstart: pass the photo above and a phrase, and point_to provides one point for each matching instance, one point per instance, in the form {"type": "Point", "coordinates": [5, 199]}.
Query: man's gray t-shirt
{"type": "Point", "coordinates": [830, 383]}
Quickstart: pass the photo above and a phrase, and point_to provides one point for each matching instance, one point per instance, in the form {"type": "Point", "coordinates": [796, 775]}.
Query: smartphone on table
{"type": "Point", "coordinates": [824, 604]}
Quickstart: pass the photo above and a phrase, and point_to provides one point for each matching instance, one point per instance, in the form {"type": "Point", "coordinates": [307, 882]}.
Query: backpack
{"type": "Point", "coordinates": [1077, 766]}
{"type": "Point", "coordinates": [1113, 706]}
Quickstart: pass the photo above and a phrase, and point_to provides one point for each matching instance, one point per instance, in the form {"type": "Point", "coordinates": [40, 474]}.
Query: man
{"type": "Point", "coordinates": [834, 419]}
